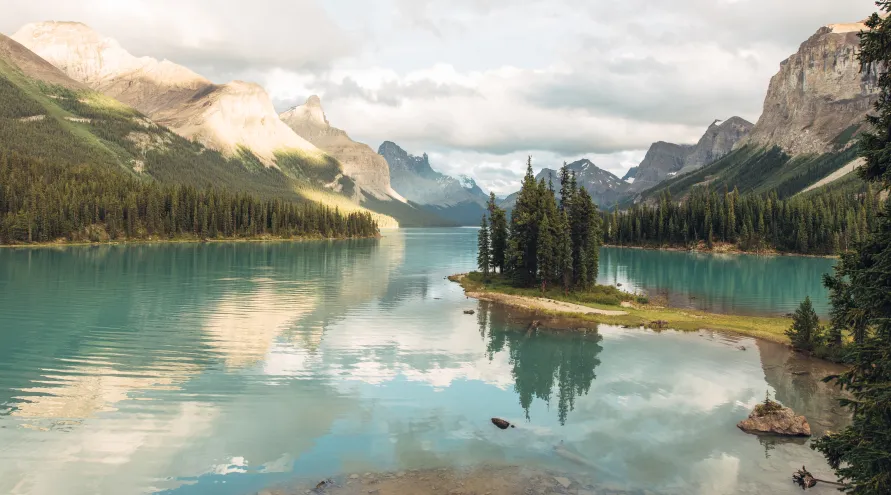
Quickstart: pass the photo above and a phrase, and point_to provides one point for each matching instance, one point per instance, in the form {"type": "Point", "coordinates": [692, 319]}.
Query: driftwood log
{"type": "Point", "coordinates": [805, 479]}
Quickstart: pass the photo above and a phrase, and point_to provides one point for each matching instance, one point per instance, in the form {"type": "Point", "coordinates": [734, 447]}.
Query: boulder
{"type": "Point", "coordinates": [469, 312]}
{"type": "Point", "coordinates": [776, 420]}
{"type": "Point", "coordinates": [502, 423]}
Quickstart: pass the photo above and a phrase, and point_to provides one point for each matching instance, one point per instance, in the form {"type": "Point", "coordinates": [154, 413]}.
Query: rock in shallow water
{"type": "Point", "coordinates": [783, 421]}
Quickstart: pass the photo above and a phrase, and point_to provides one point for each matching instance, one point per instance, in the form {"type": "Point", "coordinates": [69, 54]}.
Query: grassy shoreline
{"type": "Point", "coordinates": [637, 313]}
{"type": "Point", "coordinates": [178, 240]}
{"type": "Point", "coordinates": [730, 249]}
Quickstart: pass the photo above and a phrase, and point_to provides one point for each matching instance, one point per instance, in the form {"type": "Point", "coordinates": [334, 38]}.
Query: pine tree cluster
{"type": "Point", "coordinates": [42, 202]}
{"type": "Point", "coordinates": [828, 223]}
{"type": "Point", "coordinates": [547, 242]}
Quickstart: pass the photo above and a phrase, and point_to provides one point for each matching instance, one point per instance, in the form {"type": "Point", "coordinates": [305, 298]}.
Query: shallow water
{"type": "Point", "coordinates": [720, 283]}
{"type": "Point", "coordinates": [227, 368]}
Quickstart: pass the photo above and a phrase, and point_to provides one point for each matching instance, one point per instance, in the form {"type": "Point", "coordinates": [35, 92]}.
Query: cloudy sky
{"type": "Point", "coordinates": [481, 84]}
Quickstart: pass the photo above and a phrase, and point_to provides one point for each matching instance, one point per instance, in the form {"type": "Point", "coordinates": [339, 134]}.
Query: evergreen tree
{"type": "Point", "coordinates": [522, 262]}
{"type": "Point", "coordinates": [484, 255]}
{"type": "Point", "coordinates": [563, 245]}
{"type": "Point", "coordinates": [861, 453]}
{"type": "Point", "coordinates": [805, 332]}
{"type": "Point", "coordinates": [498, 233]}
{"type": "Point", "coordinates": [546, 253]}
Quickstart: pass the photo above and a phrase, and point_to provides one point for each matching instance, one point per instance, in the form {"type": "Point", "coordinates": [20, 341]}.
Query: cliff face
{"type": "Point", "coordinates": [718, 140]}
{"type": "Point", "coordinates": [413, 177]}
{"type": "Point", "coordinates": [665, 160]}
{"type": "Point", "coordinates": [662, 160]}
{"type": "Point", "coordinates": [368, 169]}
{"type": "Point", "coordinates": [818, 99]}
{"type": "Point", "coordinates": [224, 117]}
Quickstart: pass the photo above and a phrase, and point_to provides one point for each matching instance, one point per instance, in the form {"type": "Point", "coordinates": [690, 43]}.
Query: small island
{"type": "Point", "coordinates": [546, 260]}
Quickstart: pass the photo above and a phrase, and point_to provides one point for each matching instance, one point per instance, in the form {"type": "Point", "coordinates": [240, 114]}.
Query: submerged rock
{"type": "Point", "coordinates": [502, 423]}
{"type": "Point", "coordinates": [772, 418]}
{"type": "Point", "coordinates": [469, 312]}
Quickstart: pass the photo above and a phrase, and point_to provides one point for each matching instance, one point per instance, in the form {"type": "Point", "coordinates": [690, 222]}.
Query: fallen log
{"type": "Point", "coordinates": [805, 479]}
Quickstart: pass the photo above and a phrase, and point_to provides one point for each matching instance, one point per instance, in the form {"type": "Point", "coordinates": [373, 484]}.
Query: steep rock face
{"type": "Point", "coordinates": [665, 160]}
{"type": "Point", "coordinates": [224, 117]}
{"type": "Point", "coordinates": [368, 169]}
{"type": "Point", "coordinates": [718, 140]}
{"type": "Point", "coordinates": [460, 199]}
{"type": "Point", "coordinates": [818, 99]}
{"type": "Point", "coordinates": [413, 177]}
{"type": "Point", "coordinates": [33, 66]}
{"type": "Point", "coordinates": [662, 160]}
{"type": "Point", "coordinates": [630, 175]}
{"type": "Point", "coordinates": [604, 187]}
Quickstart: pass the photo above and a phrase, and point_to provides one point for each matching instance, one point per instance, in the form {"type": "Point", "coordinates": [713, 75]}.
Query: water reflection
{"type": "Point", "coordinates": [226, 368]}
{"type": "Point", "coordinates": [724, 283]}
{"type": "Point", "coordinates": [542, 361]}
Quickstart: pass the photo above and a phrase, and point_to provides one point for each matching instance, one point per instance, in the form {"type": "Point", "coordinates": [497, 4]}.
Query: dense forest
{"type": "Point", "coordinates": [546, 242]}
{"type": "Point", "coordinates": [42, 201]}
{"type": "Point", "coordinates": [830, 221]}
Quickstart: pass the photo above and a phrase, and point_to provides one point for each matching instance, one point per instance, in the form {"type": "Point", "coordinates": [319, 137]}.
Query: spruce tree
{"type": "Point", "coordinates": [861, 453]}
{"type": "Point", "coordinates": [546, 253]}
{"type": "Point", "coordinates": [484, 255]}
{"type": "Point", "coordinates": [805, 332]}
{"type": "Point", "coordinates": [498, 233]}
{"type": "Point", "coordinates": [563, 244]}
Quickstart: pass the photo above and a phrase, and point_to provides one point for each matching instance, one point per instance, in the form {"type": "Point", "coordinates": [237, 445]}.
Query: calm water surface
{"type": "Point", "coordinates": [227, 368]}
{"type": "Point", "coordinates": [728, 283]}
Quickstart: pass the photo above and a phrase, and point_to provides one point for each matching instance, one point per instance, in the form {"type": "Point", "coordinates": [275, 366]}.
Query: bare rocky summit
{"type": "Point", "coordinates": [459, 199]}
{"type": "Point", "coordinates": [665, 160]}
{"type": "Point", "coordinates": [368, 169]}
{"type": "Point", "coordinates": [224, 117]}
{"type": "Point", "coordinates": [817, 101]}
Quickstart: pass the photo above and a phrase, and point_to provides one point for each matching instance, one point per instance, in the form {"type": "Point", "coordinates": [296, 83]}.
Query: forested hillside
{"type": "Point", "coordinates": [43, 201]}
{"type": "Point", "coordinates": [827, 220]}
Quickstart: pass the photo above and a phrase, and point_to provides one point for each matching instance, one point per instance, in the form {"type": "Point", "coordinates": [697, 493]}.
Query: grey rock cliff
{"type": "Point", "coordinates": [819, 97]}
{"type": "Point", "coordinates": [664, 160]}
{"type": "Point", "coordinates": [457, 199]}
{"type": "Point", "coordinates": [368, 169]}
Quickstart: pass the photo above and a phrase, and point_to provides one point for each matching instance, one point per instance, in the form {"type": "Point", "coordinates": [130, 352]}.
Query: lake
{"type": "Point", "coordinates": [227, 368]}
{"type": "Point", "coordinates": [720, 283]}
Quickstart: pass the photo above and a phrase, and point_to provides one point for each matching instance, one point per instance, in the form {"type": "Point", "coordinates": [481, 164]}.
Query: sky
{"type": "Point", "coordinates": [480, 85]}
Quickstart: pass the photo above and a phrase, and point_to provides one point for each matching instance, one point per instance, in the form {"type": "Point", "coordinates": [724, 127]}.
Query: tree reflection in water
{"type": "Point", "coordinates": [542, 361]}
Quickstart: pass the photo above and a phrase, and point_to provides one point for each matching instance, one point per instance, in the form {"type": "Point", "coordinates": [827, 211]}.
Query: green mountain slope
{"type": "Point", "coordinates": [753, 169]}
{"type": "Point", "coordinates": [46, 115]}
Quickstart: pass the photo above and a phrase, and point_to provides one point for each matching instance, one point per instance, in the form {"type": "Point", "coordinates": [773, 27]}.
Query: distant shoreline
{"type": "Point", "coordinates": [725, 249]}
{"type": "Point", "coordinates": [133, 242]}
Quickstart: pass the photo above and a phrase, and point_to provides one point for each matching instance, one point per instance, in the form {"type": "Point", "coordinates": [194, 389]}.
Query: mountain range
{"type": "Point", "coordinates": [460, 199]}
{"type": "Point", "coordinates": [71, 94]}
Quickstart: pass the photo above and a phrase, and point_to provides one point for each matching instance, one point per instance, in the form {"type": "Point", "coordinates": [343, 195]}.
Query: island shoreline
{"type": "Point", "coordinates": [634, 315]}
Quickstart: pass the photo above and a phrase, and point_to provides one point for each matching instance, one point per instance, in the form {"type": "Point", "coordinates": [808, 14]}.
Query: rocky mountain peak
{"type": "Point", "coordinates": [223, 117]}
{"type": "Point", "coordinates": [308, 114]}
{"type": "Point", "coordinates": [664, 160]}
{"type": "Point", "coordinates": [368, 169]}
{"type": "Point", "coordinates": [817, 100]}
{"type": "Point", "coordinates": [89, 57]}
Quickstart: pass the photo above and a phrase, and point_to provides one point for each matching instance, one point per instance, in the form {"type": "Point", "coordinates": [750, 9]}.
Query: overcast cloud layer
{"type": "Point", "coordinates": [480, 84]}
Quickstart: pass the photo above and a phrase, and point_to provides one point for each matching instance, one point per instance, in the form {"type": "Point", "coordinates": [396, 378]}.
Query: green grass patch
{"type": "Point", "coordinates": [641, 314]}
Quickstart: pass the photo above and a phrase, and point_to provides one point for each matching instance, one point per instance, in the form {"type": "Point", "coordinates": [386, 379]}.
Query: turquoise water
{"type": "Point", "coordinates": [227, 368]}
{"type": "Point", "coordinates": [721, 283]}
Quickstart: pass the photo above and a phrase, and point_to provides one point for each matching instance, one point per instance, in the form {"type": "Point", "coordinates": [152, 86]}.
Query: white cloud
{"type": "Point", "coordinates": [491, 80]}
